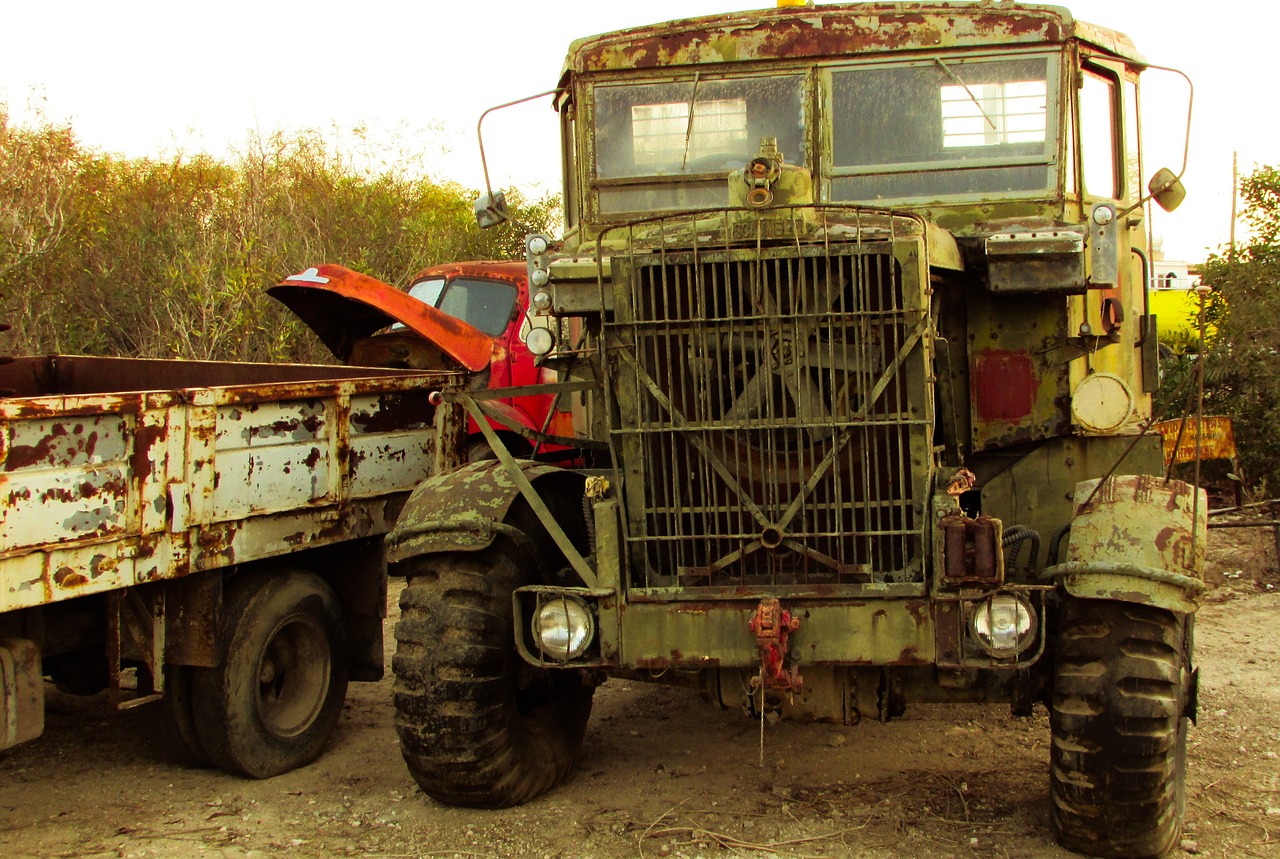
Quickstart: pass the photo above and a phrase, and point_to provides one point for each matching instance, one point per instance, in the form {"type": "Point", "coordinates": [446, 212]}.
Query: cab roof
{"type": "Point", "coordinates": [838, 29]}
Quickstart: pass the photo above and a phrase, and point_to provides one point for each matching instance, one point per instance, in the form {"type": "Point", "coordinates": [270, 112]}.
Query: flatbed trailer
{"type": "Point", "coordinates": [209, 533]}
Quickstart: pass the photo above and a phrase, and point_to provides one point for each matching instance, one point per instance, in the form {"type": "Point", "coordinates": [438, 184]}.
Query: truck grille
{"type": "Point", "coordinates": [773, 418]}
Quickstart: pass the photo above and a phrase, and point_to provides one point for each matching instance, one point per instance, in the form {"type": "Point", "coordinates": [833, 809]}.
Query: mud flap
{"type": "Point", "coordinates": [1138, 539]}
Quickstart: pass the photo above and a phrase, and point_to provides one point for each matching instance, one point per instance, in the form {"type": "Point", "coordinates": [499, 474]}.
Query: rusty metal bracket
{"type": "Point", "coordinates": [135, 630]}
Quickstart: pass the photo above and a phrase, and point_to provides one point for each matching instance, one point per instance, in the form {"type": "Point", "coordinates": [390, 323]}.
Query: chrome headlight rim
{"type": "Point", "coordinates": [563, 627]}
{"type": "Point", "coordinates": [1004, 625]}
{"type": "Point", "coordinates": [540, 341]}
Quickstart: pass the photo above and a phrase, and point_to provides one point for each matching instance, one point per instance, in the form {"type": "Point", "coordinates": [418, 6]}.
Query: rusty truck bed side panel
{"type": "Point", "coordinates": [103, 486]}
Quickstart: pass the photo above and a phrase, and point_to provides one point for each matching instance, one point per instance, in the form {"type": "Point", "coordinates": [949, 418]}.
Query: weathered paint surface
{"type": "Point", "coordinates": [463, 509]}
{"type": "Point", "coordinates": [1137, 538]}
{"type": "Point", "coordinates": [657, 636]}
{"type": "Point", "coordinates": [103, 491]}
{"type": "Point", "coordinates": [833, 30]}
{"type": "Point", "coordinates": [1217, 439]}
{"type": "Point", "coordinates": [21, 692]}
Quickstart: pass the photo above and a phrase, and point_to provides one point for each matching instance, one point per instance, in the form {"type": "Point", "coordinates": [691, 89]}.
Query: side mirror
{"type": "Point", "coordinates": [491, 210]}
{"type": "Point", "coordinates": [1167, 190]}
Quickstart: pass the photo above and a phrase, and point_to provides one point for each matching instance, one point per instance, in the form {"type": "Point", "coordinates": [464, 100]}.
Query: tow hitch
{"type": "Point", "coordinates": [772, 626]}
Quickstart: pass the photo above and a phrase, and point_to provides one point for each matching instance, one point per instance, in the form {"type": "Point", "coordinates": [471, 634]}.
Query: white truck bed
{"type": "Point", "coordinates": [116, 472]}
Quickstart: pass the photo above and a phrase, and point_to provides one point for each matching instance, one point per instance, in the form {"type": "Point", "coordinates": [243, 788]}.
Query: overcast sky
{"type": "Point", "coordinates": [143, 77]}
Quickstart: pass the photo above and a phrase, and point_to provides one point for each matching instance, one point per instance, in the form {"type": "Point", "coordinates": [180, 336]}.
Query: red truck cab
{"type": "Point", "coordinates": [468, 316]}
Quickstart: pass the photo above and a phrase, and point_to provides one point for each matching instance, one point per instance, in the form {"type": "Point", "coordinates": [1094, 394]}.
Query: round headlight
{"type": "Point", "coordinates": [541, 300]}
{"type": "Point", "coordinates": [540, 340]}
{"type": "Point", "coordinates": [1003, 625]}
{"type": "Point", "coordinates": [537, 245]}
{"type": "Point", "coordinates": [563, 628]}
{"type": "Point", "coordinates": [540, 277]}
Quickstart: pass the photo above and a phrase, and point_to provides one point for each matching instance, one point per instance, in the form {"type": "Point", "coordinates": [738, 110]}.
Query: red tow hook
{"type": "Point", "coordinates": [772, 626]}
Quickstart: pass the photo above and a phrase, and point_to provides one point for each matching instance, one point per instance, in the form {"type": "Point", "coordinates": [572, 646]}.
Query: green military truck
{"type": "Point", "coordinates": [851, 309]}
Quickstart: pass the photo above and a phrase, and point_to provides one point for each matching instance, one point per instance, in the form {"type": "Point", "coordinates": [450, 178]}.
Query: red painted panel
{"type": "Point", "coordinates": [1004, 385]}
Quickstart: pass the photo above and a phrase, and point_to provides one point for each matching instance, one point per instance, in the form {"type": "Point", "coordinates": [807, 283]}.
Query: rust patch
{"type": "Point", "coordinates": [145, 439]}
{"type": "Point", "coordinates": [66, 577]}
{"type": "Point", "coordinates": [395, 412]}
{"type": "Point", "coordinates": [214, 544]}
{"type": "Point", "coordinates": [25, 456]}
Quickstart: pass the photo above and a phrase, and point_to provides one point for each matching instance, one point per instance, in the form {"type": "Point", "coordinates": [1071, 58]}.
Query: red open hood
{"type": "Point", "coordinates": [343, 306]}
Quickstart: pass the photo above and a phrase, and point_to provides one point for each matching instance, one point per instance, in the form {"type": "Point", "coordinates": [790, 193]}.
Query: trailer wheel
{"type": "Point", "coordinates": [477, 725]}
{"type": "Point", "coordinates": [272, 703]}
{"type": "Point", "coordinates": [1119, 730]}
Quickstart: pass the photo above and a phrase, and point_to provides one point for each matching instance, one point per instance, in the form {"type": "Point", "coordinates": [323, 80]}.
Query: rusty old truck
{"type": "Point", "coordinates": [851, 305]}
{"type": "Point", "coordinates": [205, 532]}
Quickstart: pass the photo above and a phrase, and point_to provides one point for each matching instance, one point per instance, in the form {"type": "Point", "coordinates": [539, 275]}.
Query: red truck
{"type": "Point", "coordinates": [467, 315]}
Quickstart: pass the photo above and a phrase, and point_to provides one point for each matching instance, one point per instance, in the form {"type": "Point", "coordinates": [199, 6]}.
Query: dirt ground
{"type": "Point", "coordinates": [662, 774]}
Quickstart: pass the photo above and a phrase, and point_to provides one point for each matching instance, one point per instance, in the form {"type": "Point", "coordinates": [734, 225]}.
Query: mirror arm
{"type": "Point", "coordinates": [1186, 143]}
{"type": "Point", "coordinates": [484, 165]}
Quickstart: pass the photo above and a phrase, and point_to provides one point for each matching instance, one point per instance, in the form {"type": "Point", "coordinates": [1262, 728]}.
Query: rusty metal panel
{"type": "Point", "coordinates": [390, 462]}
{"type": "Point", "coordinates": [256, 425]}
{"type": "Point", "coordinates": [824, 31]}
{"type": "Point", "coordinates": [1137, 538]}
{"type": "Point", "coordinates": [657, 636]}
{"type": "Point", "coordinates": [1018, 368]}
{"type": "Point", "coordinates": [21, 692]}
{"type": "Point", "coordinates": [65, 480]}
{"type": "Point", "coordinates": [272, 479]}
{"type": "Point", "coordinates": [271, 457]}
{"type": "Point", "coordinates": [105, 491]}
{"type": "Point", "coordinates": [390, 443]}
{"type": "Point", "coordinates": [23, 582]}
{"type": "Point", "coordinates": [57, 443]}
{"type": "Point", "coordinates": [63, 572]}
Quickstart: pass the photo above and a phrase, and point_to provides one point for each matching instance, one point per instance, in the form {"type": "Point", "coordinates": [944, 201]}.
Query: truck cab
{"type": "Point", "coordinates": [853, 298]}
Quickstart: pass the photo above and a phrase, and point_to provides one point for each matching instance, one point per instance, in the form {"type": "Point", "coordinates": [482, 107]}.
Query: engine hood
{"type": "Point", "coordinates": [343, 306]}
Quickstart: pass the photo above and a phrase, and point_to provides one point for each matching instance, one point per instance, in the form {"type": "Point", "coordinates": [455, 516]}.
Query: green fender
{"type": "Point", "coordinates": [1139, 539]}
{"type": "Point", "coordinates": [463, 510]}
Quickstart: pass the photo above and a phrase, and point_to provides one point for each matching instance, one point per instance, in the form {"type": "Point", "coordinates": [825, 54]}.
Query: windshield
{"type": "Point", "coordinates": [484, 304]}
{"type": "Point", "coordinates": [924, 130]}
{"type": "Point", "coordinates": [943, 128]}
{"type": "Point", "coordinates": [663, 146]}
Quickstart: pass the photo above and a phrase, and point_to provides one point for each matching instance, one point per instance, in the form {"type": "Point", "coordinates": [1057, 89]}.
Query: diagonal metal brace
{"type": "Point", "coordinates": [571, 553]}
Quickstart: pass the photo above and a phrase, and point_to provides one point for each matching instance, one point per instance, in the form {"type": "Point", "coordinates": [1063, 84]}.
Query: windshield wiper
{"type": "Point", "coordinates": [688, 129]}
{"type": "Point", "coordinates": [955, 77]}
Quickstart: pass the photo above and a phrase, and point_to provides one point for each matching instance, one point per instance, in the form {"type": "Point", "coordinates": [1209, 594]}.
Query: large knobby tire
{"type": "Point", "coordinates": [1118, 758]}
{"type": "Point", "coordinates": [275, 699]}
{"type": "Point", "coordinates": [477, 725]}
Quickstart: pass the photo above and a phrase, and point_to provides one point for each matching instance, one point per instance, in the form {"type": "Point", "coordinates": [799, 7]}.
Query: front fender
{"type": "Point", "coordinates": [463, 510]}
{"type": "Point", "coordinates": [1138, 539]}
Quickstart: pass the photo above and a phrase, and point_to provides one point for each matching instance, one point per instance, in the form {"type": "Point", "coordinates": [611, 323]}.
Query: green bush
{"type": "Point", "coordinates": [1242, 362]}
{"type": "Point", "coordinates": [162, 258]}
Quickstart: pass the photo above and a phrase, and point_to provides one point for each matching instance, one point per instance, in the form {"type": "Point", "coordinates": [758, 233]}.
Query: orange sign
{"type": "Point", "coordinates": [1217, 441]}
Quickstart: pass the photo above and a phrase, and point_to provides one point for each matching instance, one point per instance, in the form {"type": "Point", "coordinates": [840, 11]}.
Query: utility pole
{"type": "Point", "coordinates": [1235, 184]}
